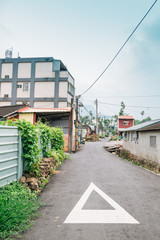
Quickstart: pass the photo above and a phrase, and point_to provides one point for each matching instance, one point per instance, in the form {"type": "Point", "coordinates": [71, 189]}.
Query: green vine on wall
{"type": "Point", "coordinates": [57, 139]}
{"type": "Point", "coordinates": [45, 136]}
{"type": "Point", "coordinates": [30, 136]}
{"type": "Point", "coordinates": [29, 142]}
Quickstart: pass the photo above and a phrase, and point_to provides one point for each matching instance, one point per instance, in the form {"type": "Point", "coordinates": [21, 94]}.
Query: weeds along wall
{"type": "Point", "coordinates": [37, 141]}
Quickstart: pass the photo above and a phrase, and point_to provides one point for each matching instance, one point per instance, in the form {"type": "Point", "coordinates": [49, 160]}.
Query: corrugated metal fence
{"type": "Point", "coordinates": [11, 163]}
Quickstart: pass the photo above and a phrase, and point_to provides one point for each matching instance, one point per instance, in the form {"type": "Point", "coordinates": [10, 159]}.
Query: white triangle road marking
{"type": "Point", "coordinates": [118, 215]}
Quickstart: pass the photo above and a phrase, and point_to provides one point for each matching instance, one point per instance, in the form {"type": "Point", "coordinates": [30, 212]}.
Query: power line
{"type": "Point", "coordinates": [85, 108]}
{"type": "Point", "coordinates": [126, 96]}
{"type": "Point", "coordinates": [129, 106]}
{"type": "Point", "coordinates": [120, 49]}
{"type": "Point", "coordinates": [114, 104]}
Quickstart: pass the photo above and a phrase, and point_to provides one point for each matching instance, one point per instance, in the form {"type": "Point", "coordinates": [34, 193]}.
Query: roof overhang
{"type": "Point", "coordinates": [146, 126]}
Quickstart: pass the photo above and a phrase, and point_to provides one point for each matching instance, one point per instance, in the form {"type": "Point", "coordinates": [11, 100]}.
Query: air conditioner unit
{"type": "Point", "coordinates": [6, 96]}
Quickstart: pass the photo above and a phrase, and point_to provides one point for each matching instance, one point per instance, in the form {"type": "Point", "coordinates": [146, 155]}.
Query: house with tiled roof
{"type": "Point", "coordinates": [55, 117]}
{"type": "Point", "coordinates": [143, 140]}
{"type": "Point", "coordinates": [125, 122]}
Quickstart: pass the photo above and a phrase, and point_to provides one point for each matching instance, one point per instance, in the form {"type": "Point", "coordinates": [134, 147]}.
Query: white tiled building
{"type": "Point", "coordinates": [41, 82]}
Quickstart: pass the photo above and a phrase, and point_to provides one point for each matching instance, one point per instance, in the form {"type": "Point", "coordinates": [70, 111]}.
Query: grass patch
{"type": "Point", "coordinates": [18, 208]}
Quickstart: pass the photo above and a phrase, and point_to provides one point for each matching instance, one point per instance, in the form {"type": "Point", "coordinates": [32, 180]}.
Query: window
{"type": "Point", "coordinates": [19, 86]}
{"type": "Point", "coordinates": [125, 136]}
{"type": "Point", "coordinates": [153, 141]}
{"type": "Point", "coordinates": [6, 96]}
{"type": "Point", "coordinates": [25, 87]}
{"type": "Point", "coordinates": [7, 76]}
{"type": "Point", "coordinates": [133, 136]}
{"type": "Point", "coordinates": [126, 123]}
{"type": "Point", "coordinates": [70, 88]}
{"type": "Point", "coordinates": [128, 136]}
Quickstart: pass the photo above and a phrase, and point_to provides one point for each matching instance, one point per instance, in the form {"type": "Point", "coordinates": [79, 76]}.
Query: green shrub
{"type": "Point", "coordinates": [3, 123]}
{"type": "Point", "coordinates": [45, 136]}
{"type": "Point", "coordinates": [57, 139]}
{"type": "Point", "coordinates": [29, 142]}
{"type": "Point", "coordinates": [18, 207]}
{"type": "Point", "coordinates": [115, 138]}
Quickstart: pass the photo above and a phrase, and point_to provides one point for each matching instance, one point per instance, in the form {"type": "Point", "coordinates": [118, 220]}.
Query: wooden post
{"type": "Point", "coordinates": [76, 147]}
{"type": "Point", "coordinates": [97, 119]}
{"type": "Point", "coordinates": [71, 128]}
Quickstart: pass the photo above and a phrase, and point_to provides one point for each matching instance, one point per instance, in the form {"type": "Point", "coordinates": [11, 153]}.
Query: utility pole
{"type": "Point", "coordinates": [76, 125]}
{"type": "Point", "coordinates": [97, 118]}
{"type": "Point", "coordinates": [71, 128]}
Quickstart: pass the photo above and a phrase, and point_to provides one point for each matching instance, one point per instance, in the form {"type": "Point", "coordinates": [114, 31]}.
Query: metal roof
{"type": "Point", "coordinates": [7, 110]}
{"type": "Point", "coordinates": [46, 110]}
{"type": "Point", "coordinates": [150, 125]}
{"type": "Point", "coordinates": [125, 117]}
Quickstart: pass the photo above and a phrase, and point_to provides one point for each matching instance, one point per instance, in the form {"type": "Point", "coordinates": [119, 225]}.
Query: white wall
{"type": "Point", "coordinates": [70, 79]}
{"type": "Point", "coordinates": [5, 88]}
{"type": "Point", "coordinates": [43, 104]}
{"type": "Point", "coordinates": [24, 70]}
{"type": "Point", "coordinates": [7, 69]}
{"type": "Point", "coordinates": [69, 98]}
{"type": "Point", "coordinates": [44, 70]}
{"type": "Point", "coordinates": [63, 74]}
{"type": "Point", "coordinates": [62, 104]}
{"type": "Point", "coordinates": [8, 103]}
{"type": "Point", "coordinates": [19, 102]}
{"type": "Point", "coordinates": [21, 93]}
{"type": "Point", "coordinates": [44, 89]}
{"type": "Point", "coordinates": [63, 87]}
{"type": "Point", "coordinates": [142, 147]}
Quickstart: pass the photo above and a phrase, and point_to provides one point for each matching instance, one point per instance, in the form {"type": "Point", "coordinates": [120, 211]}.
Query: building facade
{"type": "Point", "coordinates": [40, 82]}
{"type": "Point", "coordinates": [124, 122]}
{"type": "Point", "coordinates": [143, 140]}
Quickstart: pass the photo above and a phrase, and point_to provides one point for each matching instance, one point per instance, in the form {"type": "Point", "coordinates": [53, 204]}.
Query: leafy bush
{"type": "Point", "coordinates": [3, 123]}
{"type": "Point", "coordinates": [29, 142]}
{"type": "Point", "coordinates": [57, 140]}
{"type": "Point", "coordinates": [58, 156]}
{"type": "Point", "coordinates": [115, 138]}
{"type": "Point", "coordinates": [18, 206]}
{"type": "Point", "coordinates": [45, 136]}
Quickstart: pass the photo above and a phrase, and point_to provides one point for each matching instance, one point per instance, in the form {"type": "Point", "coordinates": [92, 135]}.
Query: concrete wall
{"type": "Point", "coordinates": [29, 117]}
{"type": "Point", "coordinates": [20, 91]}
{"type": "Point", "coordinates": [24, 70]}
{"type": "Point", "coordinates": [44, 70]}
{"type": "Point", "coordinates": [44, 89]}
{"type": "Point", "coordinates": [43, 104]}
{"type": "Point", "coordinates": [63, 86]}
{"type": "Point", "coordinates": [62, 104]}
{"type": "Point", "coordinates": [20, 102]}
{"type": "Point", "coordinates": [63, 74]}
{"type": "Point", "coordinates": [6, 103]}
{"type": "Point", "coordinates": [69, 98]}
{"type": "Point", "coordinates": [71, 79]}
{"type": "Point", "coordinates": [5, 88]}
{"type": "Point", "coordinates": [141, 146]}
{"type": "Point", "coordinates": [7, 69]}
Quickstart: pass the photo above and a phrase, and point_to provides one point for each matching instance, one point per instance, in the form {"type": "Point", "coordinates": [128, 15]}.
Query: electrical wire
{"type": "Point", "coordinates": [114, 104]}
{"type": "Point", "coordinates": [120, 49]}
{"type": "Point", "coordinates": [85, 108]}
{"type": "Point", "coordinates": [127, 105]}
{"type": "Point", "coordinates": [147, 96]}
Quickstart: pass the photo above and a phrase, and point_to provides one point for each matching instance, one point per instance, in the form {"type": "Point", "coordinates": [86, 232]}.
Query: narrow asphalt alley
{"type": "Point", "coordinates": [118, 187]}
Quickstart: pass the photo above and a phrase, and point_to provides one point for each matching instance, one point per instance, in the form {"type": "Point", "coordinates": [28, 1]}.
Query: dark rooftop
{"type": "Point", "coordinates": [5, 110]}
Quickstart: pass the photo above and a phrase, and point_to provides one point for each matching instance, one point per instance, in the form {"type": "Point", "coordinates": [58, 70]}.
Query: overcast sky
{"type": "Point", "coordinates": [85, 35]}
